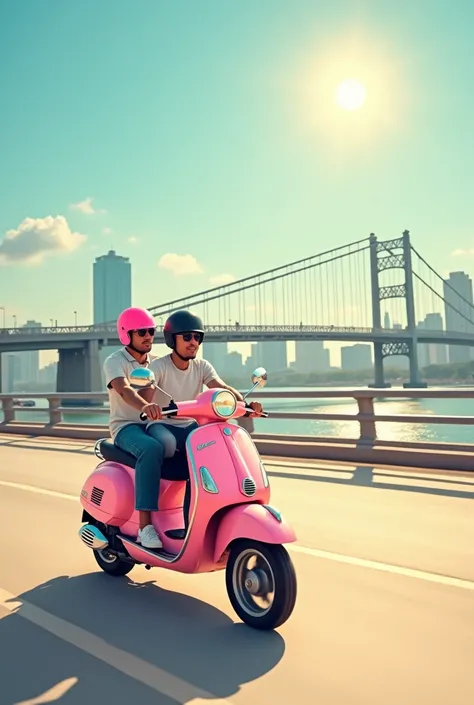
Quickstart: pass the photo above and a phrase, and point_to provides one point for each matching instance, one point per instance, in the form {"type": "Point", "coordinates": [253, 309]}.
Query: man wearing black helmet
{"type": "Point", "coordinates": [181, 373]}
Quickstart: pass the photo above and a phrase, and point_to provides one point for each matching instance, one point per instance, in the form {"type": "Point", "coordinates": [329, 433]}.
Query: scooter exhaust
{"type": "Point", "coordinates": [92, 537]}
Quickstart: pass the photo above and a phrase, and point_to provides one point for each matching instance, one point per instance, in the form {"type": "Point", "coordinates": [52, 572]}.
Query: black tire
{"type": "Point", "coordinates": [117, 567]}
{"type": "Point", "coordinates": [281, 577]}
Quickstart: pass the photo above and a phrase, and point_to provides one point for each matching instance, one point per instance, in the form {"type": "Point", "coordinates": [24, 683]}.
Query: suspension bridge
{"type": "Point", "coordinates": [383, 292]}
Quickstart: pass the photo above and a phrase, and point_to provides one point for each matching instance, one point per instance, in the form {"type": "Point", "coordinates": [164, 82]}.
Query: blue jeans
{"type": "Point", "coordinates": [150, 447]}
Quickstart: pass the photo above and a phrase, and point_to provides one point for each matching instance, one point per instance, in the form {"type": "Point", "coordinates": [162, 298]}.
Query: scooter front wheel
{"type": "Point", "coordinates": [112, 564]}
{"type": "Point", "coordinates": [261, 583]}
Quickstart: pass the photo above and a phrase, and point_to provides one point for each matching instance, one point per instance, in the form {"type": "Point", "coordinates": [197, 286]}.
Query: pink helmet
{"type": "Point", "coordinates": [133, 319]}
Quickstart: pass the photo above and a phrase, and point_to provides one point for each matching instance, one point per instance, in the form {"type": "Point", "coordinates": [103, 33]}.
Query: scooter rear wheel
{"type": "Point", "coordinates": [261, 583]}
{"type": "Point", "coordinates": [112, 564]}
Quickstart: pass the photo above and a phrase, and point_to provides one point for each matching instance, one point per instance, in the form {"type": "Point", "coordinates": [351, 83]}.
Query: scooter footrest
{"type": "Point", "coordinates": [159, 552]}
{"type": "Point", "coordinates": [165, 554]}
{"type": "Point", "coordinates": [177, 534]}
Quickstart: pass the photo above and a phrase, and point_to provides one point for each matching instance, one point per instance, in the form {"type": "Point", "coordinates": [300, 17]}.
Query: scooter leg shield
{"type": "Point", "coordinates": [258, 522]}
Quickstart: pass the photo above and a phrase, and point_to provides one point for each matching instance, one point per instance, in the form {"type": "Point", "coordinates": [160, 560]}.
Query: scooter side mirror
{"type": "Point", "coordinates": [144, 378]}
{"type": "Point", "coordinates": [259, 377]}
{"type": "Point", "coordinates": [141, 378]}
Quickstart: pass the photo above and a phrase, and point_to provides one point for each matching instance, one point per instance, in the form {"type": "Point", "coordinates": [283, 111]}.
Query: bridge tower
{"type": "Point", "coordinates": [384, 255]}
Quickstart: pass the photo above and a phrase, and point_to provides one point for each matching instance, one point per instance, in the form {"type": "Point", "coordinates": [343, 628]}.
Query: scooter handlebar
{"type": "Point", "coordinates": [166, 411]}
{"type": "Point", "coordinates": [171, 411]}
{"type": "Point", "coordinates": [252, 411]}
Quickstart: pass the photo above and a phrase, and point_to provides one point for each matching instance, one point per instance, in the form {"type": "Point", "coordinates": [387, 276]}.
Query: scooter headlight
{"type": "Point", "coordinates": [224, 403]}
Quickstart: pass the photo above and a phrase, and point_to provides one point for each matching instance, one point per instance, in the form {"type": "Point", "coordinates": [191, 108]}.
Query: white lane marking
{"type": "Point", "coordinates": [146, 673]}
{"type": "Point", "coordinates": [315, 552]}
{"type": "Point", "coordinates": [384, 567]}
{"type": "Point", "coordinates": [39, 490]}
{"type": "Point", "coordinates": [52, 694]}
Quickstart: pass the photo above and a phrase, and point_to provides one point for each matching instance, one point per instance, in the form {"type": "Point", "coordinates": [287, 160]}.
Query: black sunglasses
{"type": "Point", "coordinates": [192, 336]}
{"type": "Point", "coordinates": [143, 331]}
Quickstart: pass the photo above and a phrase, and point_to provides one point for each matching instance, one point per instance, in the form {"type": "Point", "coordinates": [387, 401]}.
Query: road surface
{"type": "Point", "coordinates": [385, 609]}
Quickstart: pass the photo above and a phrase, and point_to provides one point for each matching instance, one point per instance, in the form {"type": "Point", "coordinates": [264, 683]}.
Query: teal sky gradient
{"type": "Point", "coordinates": [205, 127]}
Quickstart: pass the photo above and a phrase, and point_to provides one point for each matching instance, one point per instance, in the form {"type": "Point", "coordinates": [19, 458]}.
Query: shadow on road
{"type": "Point", "coordinates": [181, 635]}
{"type": "Point", "coordinates": [363, 476]}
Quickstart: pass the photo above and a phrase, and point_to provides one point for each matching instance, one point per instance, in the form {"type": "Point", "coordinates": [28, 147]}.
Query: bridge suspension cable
{"type": "Point", "coordinates": [445, 282]}
{"type": "Point", "coordinates": [461, 306]}
{"type": "Point", "coordinates": [266, 277]}
{"type": "Point", "coordinates": [447, 303]}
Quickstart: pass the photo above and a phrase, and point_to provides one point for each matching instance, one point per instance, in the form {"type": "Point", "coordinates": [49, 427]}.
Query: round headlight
{"type": "Point", "coordinates": [224, 403]}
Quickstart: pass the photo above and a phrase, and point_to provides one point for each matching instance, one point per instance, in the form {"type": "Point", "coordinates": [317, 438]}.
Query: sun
{"type": "Point", "coordinates": [351, 94]}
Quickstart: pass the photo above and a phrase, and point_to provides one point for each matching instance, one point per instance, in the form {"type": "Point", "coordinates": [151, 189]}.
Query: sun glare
{"type": "Point", "coordinates": [351, 94]}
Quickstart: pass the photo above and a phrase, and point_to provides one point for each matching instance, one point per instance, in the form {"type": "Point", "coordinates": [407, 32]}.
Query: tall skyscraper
{"type": "Point", "coordinates": [112, 277]}
{"type": "Point", "coordinates": [462, 284]}
{"type": "Point", "coordinates": [423, 348]}
{"type": "Point", "coordinates": [356, 357]}
{"type": "Point", "coordinates": [438, 353]}
{"type": "Point", "coordinates": [29, 360]}
{"type": "Point", "coordinates": [216, 354]}
{"type": "Point", "coordinates": [311, 356]}
{"type": "Point", "coordinates": [272, 354]}
{"type": "Point", "coordinates": [112, 286]}
{"type": "Point", "coordinates": [12, 372]}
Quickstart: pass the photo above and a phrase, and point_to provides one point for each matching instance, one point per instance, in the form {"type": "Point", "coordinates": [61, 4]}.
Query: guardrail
{"type": "Point", "coordinates": [366, 448]}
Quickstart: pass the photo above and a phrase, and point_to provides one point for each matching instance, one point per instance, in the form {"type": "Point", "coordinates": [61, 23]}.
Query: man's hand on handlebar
{"type": "Point", "coordinates": [257, 407]}
{"type": "Point", "coordinates": [152, 412]}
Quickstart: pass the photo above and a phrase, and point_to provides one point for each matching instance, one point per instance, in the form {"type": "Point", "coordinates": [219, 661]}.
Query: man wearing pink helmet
{"type": "Point", "coordinates": [136, 330]}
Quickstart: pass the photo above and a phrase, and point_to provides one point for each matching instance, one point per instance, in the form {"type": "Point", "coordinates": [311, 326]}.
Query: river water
{"type": "Point", "coordinates": [350, 429]}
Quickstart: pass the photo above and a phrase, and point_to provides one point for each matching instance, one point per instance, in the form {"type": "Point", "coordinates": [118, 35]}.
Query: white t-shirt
{"type": "Point", "coordinates": [120, 364]}
{"type": "Point", "coordinates": [182, 385]}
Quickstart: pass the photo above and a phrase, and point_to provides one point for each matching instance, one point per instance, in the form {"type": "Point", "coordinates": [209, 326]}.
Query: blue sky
{"type": "Point", "coordinates": [198, 128]}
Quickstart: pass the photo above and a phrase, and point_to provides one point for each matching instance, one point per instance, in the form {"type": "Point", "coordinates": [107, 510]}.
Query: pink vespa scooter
{"type": "Point", "coordinates": [229, 523]}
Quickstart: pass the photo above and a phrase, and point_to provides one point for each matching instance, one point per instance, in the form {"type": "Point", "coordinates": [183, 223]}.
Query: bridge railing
{"type": "Point", "coordinates": [367, 418]}
{"type": "Point", "coordinates": [366, 446]}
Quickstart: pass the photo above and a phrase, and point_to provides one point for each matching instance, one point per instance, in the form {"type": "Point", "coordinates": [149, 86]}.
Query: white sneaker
{"type": "Point", "coordinates": [148, 537]}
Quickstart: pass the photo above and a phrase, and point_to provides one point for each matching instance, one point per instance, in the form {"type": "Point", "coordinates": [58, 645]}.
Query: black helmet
{"type": "Point", "coordinates": [181, 322]}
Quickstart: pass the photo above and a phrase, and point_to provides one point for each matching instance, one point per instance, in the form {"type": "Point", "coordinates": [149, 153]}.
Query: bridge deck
{"type": "Point", "coordinates": [380, 616]}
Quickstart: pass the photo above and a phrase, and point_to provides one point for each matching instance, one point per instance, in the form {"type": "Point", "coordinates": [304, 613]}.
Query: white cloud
{"type": "Point", "coordinates": [462, 253]}
{"type": "Point", "coordinates": [180, 265]}
{"type": "Point", "coordinates": [106, 231]}
{"type": "Point", "coordinates": [221, 279]}
{"type": "Point", "coordinates": [37, 238]}
{"type": "Point", "coordinates": [86, 207]}
{"type": "Point", "coordinates": [132, 240]}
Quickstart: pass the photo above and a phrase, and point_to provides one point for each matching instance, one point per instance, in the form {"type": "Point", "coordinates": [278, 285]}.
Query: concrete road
{"type": "Point", "coordinates": [385, 610]}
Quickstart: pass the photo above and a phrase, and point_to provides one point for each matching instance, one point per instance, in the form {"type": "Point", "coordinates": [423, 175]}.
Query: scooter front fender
{"type": "Point", "coordinates": [259, 522]}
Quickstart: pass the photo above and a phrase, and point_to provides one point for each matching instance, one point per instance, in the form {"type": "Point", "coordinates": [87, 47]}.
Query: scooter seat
{"type": "Point", "coordinates": [113, 453]}
{"type": "Point", "coordinates": [174, 469]}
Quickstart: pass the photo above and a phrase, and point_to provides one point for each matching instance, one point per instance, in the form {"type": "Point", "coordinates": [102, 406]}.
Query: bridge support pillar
{"type": "Point", "coordinates": [415, 380]}
{"type": "Point", "coordinates": [79, 371]}
{"type": "Point", "coordinates": [379, 382]}
{"type": "Point", "coordinates": [383, 256]}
